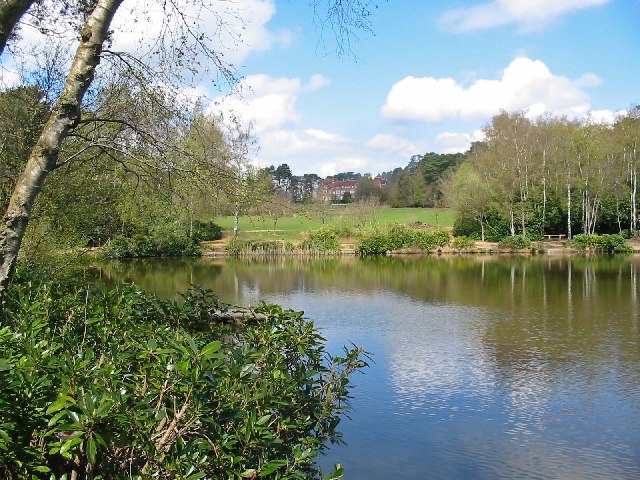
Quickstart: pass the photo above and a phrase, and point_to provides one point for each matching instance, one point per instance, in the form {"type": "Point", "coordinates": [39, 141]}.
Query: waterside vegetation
{"type": "Point", "coordinates": [120, 384]}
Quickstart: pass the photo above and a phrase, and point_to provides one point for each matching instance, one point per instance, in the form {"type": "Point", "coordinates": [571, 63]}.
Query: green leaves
{"type": "Point", "coordinates": [166, 384]}
{"type": "Point", "coordinates": [210, 349]}
{"type": "Point", "coordinates": [63, 401]}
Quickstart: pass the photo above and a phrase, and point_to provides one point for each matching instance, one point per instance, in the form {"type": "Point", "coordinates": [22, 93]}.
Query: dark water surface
{"type": "Point", "coordinates": [485, 368]}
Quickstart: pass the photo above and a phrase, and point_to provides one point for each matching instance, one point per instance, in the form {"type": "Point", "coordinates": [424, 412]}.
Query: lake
{"type": "Point", "coordinates": [492, 367]}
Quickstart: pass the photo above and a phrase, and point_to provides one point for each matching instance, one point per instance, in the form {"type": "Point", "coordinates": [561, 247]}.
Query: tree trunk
{"type": "Point", "coordinates": [44, 156]}
{"type": "Point", "coordinates": [523, 218]}
{"type": "Point", "coordinates": [512, 225]}
{"type": "Point", "coordinates": [544, 190]}
{"type": "Point", "coordinates": [569, 211]}
{"type": "Point", "coordinates": [236, 216]}
{"type": "Point", "coordinates": [634, 202]}
{"type": "Point", "coordinates": [11, 12]}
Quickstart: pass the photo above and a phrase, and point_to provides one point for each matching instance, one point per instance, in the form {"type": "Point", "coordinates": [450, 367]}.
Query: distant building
{"type": "Point", "coordinates": [334, 190]}
{"type": "Point", "coordinates": [380, 182]}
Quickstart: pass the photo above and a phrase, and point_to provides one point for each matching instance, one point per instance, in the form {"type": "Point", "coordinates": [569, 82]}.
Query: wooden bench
{"type": "Point", "coordinates": [551, 237]}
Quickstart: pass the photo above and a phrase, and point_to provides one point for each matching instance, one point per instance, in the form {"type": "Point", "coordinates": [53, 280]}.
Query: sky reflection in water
{"type": "Point", "coordinates": [484, 367]}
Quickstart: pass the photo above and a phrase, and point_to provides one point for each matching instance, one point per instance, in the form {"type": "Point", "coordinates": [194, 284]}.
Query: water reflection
{"type": "Point", "coordinates": [486, 367]}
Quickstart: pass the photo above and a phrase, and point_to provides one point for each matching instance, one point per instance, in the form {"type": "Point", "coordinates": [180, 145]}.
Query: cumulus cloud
{"type": "Point", "coordinates": [605, 116]}
{"type": "Point", "coordinates": [269, 103]}
{"type": "Point", "coordinates": [233, 29]}
{"type": "Point", "coordinates": [315, 150]}
{"type": "Point", "coordinates": [9, 77]}
{"type": "Point", "coordinates": [456, 142]}
{"type": "Point", "coordinates": [394, 145]}
{"type": "Point", "coordinates": [528, 15]}
{"type": "Point", "coordinates": [525, 84]}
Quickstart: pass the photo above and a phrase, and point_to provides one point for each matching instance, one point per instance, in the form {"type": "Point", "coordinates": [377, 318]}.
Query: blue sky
{"type": "Point", "coordinates": [428, 78]}
{"type": "Point", "coordinates": [431, 76]}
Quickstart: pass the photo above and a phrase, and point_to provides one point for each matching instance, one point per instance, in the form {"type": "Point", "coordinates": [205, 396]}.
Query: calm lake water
{"type": "Point", "coordinates": [485, 368]}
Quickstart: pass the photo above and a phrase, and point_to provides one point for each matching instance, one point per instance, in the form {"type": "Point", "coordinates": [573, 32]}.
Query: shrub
{"type": "Point", "coordinates": [463, 243]}
{"type": "Point", "coordinates": [374, 242]}
{"type": "Point", "coordinates": [206, 231]}
{"type": "Point", "coordinates": [234, 247]}
{"type": "Point", "coordinates": [431, 240]}
{"type": "Point", "coordinates": [162, 244]}
{"type": "Point", "coordinates": [441, 237]}
{"type": "Point", "coordinates": [322, 240]}
{"type": "Point", "coordinates": [379, 241]}
{"type": "Point", "coordinates": [257, 247]}
{"type": "Point", "coordinates": [467, 227]}
{"type": "Point", "coordinates": [515, 243]}
{"type": "Point", "coordinates": [119, 384]}
{"type": "Point", "coordinates": [608, 243]}
{"type": "Point", "coordinates": [400, 236]}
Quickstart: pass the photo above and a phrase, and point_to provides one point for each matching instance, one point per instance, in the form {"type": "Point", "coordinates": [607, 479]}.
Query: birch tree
{"type": "Point", "coordinates": [628, 128]}
{"type": "Point", "coordinates": [184, 44]}
{"type": "Point", "coordinates": [11, 11]}
{"type": "Point", "coordinates": [65, 115]}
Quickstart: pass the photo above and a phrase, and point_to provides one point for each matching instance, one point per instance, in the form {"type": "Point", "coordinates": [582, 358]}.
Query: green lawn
{"type": "Point", "coordinates": [290, 227]}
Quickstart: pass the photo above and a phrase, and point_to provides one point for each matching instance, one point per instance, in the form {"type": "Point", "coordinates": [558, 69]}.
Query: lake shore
{"type": "Point", "coordinates": [348, 248]}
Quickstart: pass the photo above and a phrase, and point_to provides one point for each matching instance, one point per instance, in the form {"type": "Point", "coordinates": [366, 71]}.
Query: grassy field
{"type": "Point", "coordinates": [291, 227]}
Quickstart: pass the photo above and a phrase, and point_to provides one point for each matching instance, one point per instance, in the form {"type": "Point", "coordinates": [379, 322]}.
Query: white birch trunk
{"type": "Point", "coordinates": [634, 202]}
{"type": "Point", "coordinates": [44, 156]}
{"type": "Point", "coordinates": [10, 13]}
{"type": "Point", "coordinates": [569, 211]}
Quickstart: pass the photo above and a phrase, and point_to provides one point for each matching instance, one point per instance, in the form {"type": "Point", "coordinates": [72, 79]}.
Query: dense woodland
{"type": "Point", "coordinates": [549, 176]}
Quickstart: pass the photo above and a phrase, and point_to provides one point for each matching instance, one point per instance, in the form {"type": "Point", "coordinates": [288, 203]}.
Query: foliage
{"type": "Point", "coordinates": [206, 231]}
{"type": "Point", "coordinates": [373, 242]}
{"type": "Point", "coordinates": [609, 243]}
{"type": "Point", "coordinates": [399, 236]}
{"type": "Point", "coordinates": [22, 113]}
{"type": "Point", "coordinates": [515, 243]}
{"type": "Point", "coordinates": [322, 240]}
{"type": "Point", "coordinates": [496, 227]}
{"type": "Point", "coordinates": [258, 247]}
{"type": "Point", "coordinates": [548, 176]}
{"type": "Point", "coordinates": [432, 240]}
{"type": "Point", "coordinates": [165, 243]}
{"type": "Point", "coordinates": [463, 243]}
{"type": "Point", "coordinates": [467, 228]}
{"type": "Point", "coordinates": [419, 184]}
{"type": "Point", "coordinates": [119, 384]}
{"type": "Point", "coordinates": [380, 240]}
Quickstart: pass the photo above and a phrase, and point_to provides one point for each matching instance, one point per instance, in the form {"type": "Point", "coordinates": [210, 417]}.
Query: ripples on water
{"type": "Point", "coordinates": [484, 368]}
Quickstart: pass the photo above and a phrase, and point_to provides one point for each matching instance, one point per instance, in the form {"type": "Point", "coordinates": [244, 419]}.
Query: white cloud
{"type": "Point", "coordinates": [456, 142]}
{"type": "Point", "coordinates": [327, 153]}
{"type": "Point", "coordinates": [270, 103]}
{"type": "Point", "coordinates": [605, 116]}
{"type": "Point", "coordinates": [392, 144]}
{"type": "Point", "coordinates": [9, 77]}
{"type": "Point", "coordinates": [525, 84]}
{"type": "Point", "coordinates": [234, 29]}
{"type": "Point", "coordinates": [528, 15]}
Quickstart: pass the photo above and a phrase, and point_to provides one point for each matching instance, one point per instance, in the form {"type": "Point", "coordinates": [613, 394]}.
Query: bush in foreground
{"type": "Point", "coordinates": [119, 384]}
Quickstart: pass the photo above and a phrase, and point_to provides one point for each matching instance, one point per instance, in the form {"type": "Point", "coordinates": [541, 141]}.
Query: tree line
{"type": "Point", "coordinates": [533, 177]}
